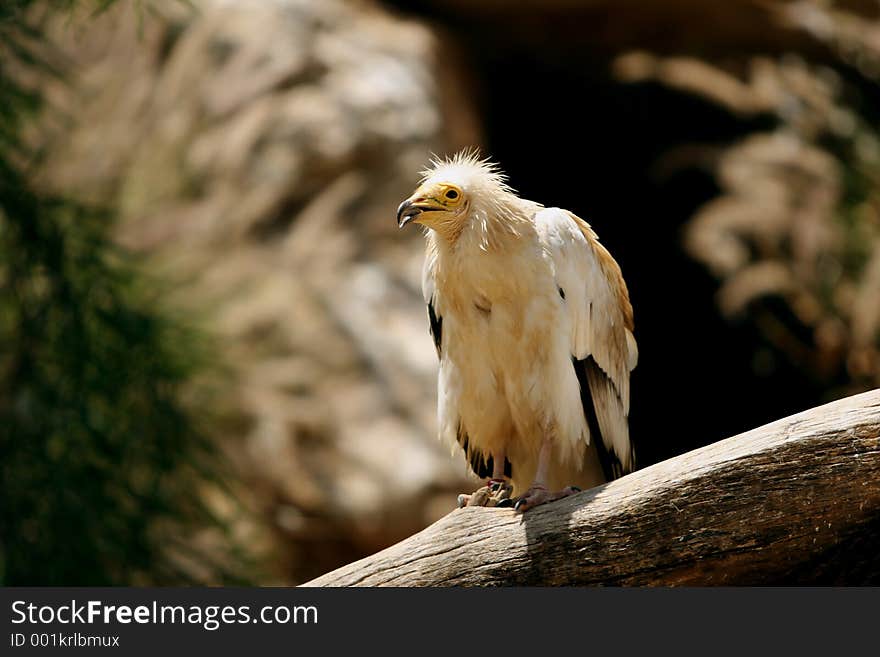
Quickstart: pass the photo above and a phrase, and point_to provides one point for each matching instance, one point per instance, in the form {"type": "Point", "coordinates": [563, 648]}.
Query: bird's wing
{"type": "Point", "coordinates": [435, 319]}
{"type": "Point", "coordinates": [603, 347]}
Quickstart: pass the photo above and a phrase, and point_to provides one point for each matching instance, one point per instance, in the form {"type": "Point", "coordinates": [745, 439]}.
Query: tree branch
{"type": "Point", "coordinates": [794, 501]}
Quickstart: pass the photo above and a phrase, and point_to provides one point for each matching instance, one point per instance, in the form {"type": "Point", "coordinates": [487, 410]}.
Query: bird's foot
{"type": "Point", "coordinates": [538, 494]}
{"type": "Point", "coordinates": [496, 492]}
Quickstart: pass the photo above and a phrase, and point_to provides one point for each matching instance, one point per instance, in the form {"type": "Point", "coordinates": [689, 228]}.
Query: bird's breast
{"type": "Point", "coordinates": [507, 287]}
{"type": "Point", "coordinates": [496, 321]}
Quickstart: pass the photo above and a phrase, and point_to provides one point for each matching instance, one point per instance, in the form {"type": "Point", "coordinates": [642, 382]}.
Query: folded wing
{"type": "Point", "coordinates": [603, 347]}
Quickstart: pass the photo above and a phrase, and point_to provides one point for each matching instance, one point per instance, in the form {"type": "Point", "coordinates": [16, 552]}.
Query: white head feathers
{"type": "Point", "coordinates": [467, 170]}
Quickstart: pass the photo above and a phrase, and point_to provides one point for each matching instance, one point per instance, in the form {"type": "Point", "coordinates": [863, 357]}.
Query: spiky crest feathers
{"type": "Point", "coordinates": [493, 204]}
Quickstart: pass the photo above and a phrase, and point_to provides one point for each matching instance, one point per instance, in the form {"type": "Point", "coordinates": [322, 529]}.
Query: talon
{"type": "Point", "coordinates": [494, 493]}
{"type": "Point", "coordinates": [480, 497]}
{"type": "Point", "coordinates": [505, 503]}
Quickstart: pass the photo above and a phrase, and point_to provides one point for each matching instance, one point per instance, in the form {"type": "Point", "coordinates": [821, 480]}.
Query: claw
{"type": "Point", "coordinates": [494, 493]}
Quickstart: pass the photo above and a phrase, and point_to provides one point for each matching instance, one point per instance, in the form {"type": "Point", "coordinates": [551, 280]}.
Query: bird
{"type": "Point", "coordinates": [533, 326]}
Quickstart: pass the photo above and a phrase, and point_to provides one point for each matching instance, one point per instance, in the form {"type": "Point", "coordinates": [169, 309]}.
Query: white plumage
{"type": "Point", "coordinates": [533, 328]}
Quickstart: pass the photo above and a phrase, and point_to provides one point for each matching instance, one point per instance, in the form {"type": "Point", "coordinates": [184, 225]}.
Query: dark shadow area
{"type": "Point", "coordinates": [854, 558]}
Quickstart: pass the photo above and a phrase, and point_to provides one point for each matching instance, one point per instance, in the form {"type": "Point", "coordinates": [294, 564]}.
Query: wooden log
{"type": "Point", "coordinates": [794, 501]}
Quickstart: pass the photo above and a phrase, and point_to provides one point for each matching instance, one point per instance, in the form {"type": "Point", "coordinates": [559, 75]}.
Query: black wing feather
{"type": "Point", "coordinates": [482, 467]}
{"type": "Point", "coordinates": [436, 326]}
{"type": "Point", "coordinates": [611, 465]}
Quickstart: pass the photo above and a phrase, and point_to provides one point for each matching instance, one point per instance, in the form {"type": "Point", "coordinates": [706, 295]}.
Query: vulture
{"type": "Point", "coordinates": [533, 328]}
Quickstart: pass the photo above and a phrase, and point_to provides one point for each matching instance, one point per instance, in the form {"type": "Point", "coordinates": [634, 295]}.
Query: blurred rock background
{"type": "Point", "coordinates": [255, 152]}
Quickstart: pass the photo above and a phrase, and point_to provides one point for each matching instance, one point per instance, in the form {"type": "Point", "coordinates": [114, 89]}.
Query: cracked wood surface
{"type": "Point", "coordinates": [794, 501]}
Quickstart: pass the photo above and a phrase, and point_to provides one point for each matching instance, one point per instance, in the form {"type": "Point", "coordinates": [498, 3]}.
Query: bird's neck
{"type": "Point", "coordinates": [480, 253]}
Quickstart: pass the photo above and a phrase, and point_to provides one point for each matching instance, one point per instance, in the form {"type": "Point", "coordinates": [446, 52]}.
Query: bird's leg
{"type": "Point", "coordinates": [499, 484]}
{"type": "Point", "coordinates": [538, 493]}
{"type": "Point", "coordinates": [497, 490]}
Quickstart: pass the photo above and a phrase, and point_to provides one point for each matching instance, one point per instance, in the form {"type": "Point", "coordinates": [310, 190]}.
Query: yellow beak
{"type": "Point", "coordinates": [413, 207]}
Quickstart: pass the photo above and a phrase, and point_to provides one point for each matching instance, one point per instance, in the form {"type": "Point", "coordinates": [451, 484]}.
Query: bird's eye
{"type": "Point", "coordinates": [451, 194]}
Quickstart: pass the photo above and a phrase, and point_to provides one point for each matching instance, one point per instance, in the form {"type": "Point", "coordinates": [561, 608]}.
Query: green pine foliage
{"type": "Point", "coordinates": [102, 467]}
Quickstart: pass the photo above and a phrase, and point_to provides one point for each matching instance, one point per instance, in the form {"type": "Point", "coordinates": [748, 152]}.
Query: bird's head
{"type": "Point", "coordinates": [452, 192]}
{"type": "Point", "coordinates": [434, 202]}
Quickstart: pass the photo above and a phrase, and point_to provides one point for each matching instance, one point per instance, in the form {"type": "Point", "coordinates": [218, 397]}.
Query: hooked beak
{"type": "Point", "coordinates": [410, 209]}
